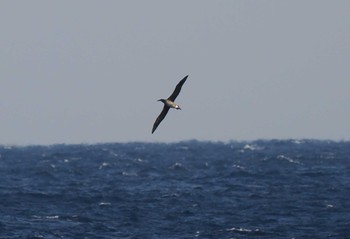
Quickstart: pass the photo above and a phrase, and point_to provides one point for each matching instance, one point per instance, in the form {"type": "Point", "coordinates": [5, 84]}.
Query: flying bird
{"type": "Point", "coordinates": [169, 103]}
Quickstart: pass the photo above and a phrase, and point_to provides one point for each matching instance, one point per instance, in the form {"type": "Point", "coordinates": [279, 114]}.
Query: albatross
{"type": "Point", "coordinates": [169, 103]}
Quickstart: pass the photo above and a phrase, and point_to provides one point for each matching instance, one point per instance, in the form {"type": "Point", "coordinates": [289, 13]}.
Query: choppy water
{"type": "Point", "coordinates": [260, 189]}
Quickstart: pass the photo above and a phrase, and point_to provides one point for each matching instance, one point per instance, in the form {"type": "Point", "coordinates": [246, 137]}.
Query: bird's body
{"type": "Point", "coordinates": [169, 103]}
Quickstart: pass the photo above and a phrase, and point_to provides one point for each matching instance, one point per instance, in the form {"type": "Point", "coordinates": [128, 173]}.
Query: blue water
{"type": "Point", "coordinates": [259, 189]}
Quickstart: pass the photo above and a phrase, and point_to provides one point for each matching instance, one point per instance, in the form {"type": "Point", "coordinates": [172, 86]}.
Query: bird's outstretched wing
{"type": "Point", "coordinates": [177, 89]}
{"type": "Point", "coordinates": [160, 117]}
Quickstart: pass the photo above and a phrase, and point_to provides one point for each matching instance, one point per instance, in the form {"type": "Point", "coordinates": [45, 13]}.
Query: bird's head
{"type": "Point", "coordinates": [162, 100]}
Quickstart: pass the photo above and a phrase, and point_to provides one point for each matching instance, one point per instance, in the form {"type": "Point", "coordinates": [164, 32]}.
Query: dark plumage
{"type": "Point", "coordinates": [169, 103]}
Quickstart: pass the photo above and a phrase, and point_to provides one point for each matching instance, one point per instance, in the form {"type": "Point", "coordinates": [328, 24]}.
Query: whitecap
{"type": "Point", "coordinates": [130, 174]}
{"type": "Point", "coordinates": [104, 164]}
{"type": "Point", "coordinates": [295, 141]}
{"type": "Point", "coordinates": [251, 147]}
{"type": "Point", "coordinates": [140, 160]}
{"type": "Point", "coordinates": [238, 166]}
{"type": "Point", "coordinates": [328, 155]}
{"type": "Point", "coordinates": [282, 157]}
{"type": "Point", "coordinates": [114, 154]}
{"type": "Point", "coordinates": [240, 229]}
{"type": "Point", "coordinates": [168, 195]}
{"type": "Point", "coordinates": [183, 147]}
{"type": "Point", "coordinates": [197, 234]}
{"type": "Point", "coordinates": [177, 166]}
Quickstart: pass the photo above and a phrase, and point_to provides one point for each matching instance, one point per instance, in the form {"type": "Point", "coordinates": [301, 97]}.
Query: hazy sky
{"type": "Point", "coordinates": [91, 71]}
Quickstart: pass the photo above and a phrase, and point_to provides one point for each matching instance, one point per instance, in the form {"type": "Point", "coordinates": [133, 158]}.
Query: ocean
{"type": "Point", "coordinates": [191, 189]}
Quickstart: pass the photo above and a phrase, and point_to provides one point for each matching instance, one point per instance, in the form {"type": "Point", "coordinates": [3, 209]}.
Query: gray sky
{"type": "Point", "coordinates": [91, 71]}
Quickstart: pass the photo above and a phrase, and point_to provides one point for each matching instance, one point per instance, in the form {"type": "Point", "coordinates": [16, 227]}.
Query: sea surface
{"type": "Point", "coordinates": [192, 189]}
